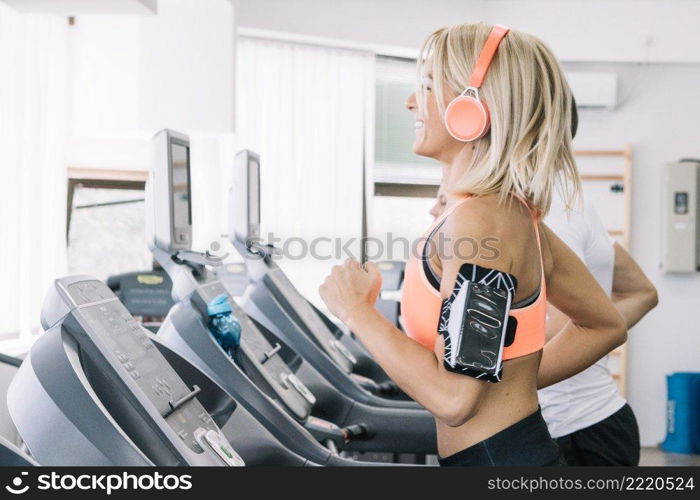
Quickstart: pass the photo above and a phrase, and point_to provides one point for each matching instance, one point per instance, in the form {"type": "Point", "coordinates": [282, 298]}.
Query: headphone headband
{"type": "Point", "coordinates": [467, 117]}
{"type": "Point", "coordinates": [486, 55]}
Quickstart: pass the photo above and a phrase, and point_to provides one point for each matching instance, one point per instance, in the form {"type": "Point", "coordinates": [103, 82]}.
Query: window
{"type": "Point", "coordinates": [405, 184]}
{"type": "Point", "coordinates": [395, 161]}
{"type": "Point", "coordinates": [106, 223]}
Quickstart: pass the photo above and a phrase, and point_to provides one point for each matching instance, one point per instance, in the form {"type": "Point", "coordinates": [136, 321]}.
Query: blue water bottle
{"type": "Point", "coordinates": [223, 325]}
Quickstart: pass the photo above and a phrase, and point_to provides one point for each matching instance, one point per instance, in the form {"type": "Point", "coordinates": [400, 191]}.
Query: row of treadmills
{"type": "Point", "coordinates": [101, 388]}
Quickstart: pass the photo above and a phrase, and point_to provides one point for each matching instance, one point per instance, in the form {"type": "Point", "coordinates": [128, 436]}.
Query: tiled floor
{"type": "Point", "coordinates": [655, 456]}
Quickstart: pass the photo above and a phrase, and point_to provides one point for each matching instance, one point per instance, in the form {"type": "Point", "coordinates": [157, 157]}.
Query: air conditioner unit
{"type": "Point", "coordinates": [593, 90]}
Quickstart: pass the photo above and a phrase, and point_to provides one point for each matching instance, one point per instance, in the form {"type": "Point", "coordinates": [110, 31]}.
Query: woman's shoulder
{"type": "Point", "coordinates": [481, 216]}
{"type": "Point", "coordinates": [503, 233]}
{"type": "Point", "coordinates": [474, 232]}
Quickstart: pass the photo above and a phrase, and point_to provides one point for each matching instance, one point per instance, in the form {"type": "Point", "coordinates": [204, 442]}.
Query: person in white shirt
{"type": "Point", "coordinates": [590, 421]}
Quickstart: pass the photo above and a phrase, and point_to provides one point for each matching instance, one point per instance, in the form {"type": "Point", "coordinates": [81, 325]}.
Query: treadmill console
{"type": "Point", "coordinates": [258, 348]}
{"type": "Point", "coordinates": [168, 190]}
{"type": "Point", "coordinates": [141, 367]}
{"type": "Point", "coordinates": [210, 290]}
{"type": "Point", "coordinates": [310, 320]}
{"type": "Point", "coordinates": [244, 219]}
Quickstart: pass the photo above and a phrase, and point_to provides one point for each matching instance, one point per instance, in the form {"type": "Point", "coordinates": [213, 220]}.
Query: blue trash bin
{"type": "Point", "coordinates": [683, 413]}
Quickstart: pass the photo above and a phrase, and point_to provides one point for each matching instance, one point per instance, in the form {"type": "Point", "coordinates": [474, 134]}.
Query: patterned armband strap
{"type": "Point", "coordinates": [475, 324]}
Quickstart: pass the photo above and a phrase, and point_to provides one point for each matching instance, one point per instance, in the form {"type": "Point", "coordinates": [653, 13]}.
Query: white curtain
{"type": "Point", "coordinates": [32, 168]}
{"type": "Point", "coordinates": [211, 157]}
{"type": "Point", "coordinates": [304, 109]}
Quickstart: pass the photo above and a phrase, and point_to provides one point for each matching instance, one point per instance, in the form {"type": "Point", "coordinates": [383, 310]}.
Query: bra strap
{"type": "Point", "coordinates": [427, 270]}
{"type": "Point", "coordinates": [448, 212]}
{"type": "Point", "coordinates": [536, 225]}
{"type": "Point", "coordinates": [440, 220]}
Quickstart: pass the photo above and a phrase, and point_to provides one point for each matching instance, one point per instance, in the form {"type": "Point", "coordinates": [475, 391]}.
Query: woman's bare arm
{"type": "Point", "coordinates": [350, 293]}
{"type": "Point", "coordinates": [596, 327]}
{"type": "Point", "coordinates": [453, 398]}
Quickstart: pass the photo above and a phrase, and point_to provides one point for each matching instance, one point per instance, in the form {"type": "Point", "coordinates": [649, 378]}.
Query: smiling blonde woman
{"type": "Point", "coordinates": [494, 106]}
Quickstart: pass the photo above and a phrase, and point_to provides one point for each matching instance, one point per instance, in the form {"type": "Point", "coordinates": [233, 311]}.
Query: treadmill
{"type": "Point", "coordinates": [10, 454]}
{"type": "Point", "coordinates": [145, 294]}
{"type": "Point", "coordinates": [281, 388]}
{"type": "Point", "coordinates": [234, 276]}
{"type": "Point", "coordinates": [273, 301]}
{"type": "Point", "coordinates": [97, 389]}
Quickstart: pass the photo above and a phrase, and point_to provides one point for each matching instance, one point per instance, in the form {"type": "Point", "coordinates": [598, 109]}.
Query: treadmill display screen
{"type": "Point", "coordinates": [244, 197]}
{"type": "Point", "coordinates": [253, 197]}
{"type": "Point", "coordinates": [180, 178]}
{"type": "Point", "coordinates": [122, 339]}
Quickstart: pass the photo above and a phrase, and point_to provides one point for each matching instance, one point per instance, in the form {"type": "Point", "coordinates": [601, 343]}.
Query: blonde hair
{"type": "Point", "coordinates": [527, 152]}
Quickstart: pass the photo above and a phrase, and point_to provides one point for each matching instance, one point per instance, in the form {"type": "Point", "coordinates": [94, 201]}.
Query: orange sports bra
{"type": "Point", "coordinates": [421, 302]}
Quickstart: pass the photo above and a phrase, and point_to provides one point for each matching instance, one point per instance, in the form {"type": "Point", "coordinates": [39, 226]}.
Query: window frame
{"type": "Point", "coordinates": [98, 178]}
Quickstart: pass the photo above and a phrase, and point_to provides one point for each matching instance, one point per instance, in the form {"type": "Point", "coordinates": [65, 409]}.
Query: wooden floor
{"type": "Point", "coordinates": [655, 456]}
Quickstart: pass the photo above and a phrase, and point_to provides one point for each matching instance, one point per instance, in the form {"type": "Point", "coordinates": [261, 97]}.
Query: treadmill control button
{"type": "Point", "coordinates": [213, 440]}
{"type": "Point", "coordinates": [291, 379]}
{"type": "Point", "coordinates": [338, 346]}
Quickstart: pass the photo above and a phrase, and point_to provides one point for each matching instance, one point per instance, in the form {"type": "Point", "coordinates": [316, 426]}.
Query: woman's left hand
{"type": "Point", "coordinates": [350, 287]}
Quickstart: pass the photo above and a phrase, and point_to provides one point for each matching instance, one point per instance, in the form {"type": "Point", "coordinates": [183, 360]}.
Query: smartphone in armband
{"type": "Point", "coordinates": [476, 327]}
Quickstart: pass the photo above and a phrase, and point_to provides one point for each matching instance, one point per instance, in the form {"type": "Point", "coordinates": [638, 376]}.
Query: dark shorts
{"type": "Point", "coordinates": [613, 441]}
{"type": "Point", "coordinates": [526, 442]}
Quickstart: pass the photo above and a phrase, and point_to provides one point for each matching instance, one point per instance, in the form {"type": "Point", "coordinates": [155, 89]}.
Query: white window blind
{"type": "Point", "coordinates": [395, 161]}
{"type": "Point", "coordinates": [303, 108]}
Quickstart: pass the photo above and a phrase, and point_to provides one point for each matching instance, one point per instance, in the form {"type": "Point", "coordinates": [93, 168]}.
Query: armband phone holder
{"type": "Point", "coordinates": [474, 322]}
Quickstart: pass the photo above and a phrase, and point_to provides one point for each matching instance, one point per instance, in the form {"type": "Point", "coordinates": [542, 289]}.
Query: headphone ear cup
{"type": "Point", "coordinates": [466, 118]}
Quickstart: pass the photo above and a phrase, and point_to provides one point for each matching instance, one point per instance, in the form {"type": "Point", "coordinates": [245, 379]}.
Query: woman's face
{"type": "Point", "coordinates": [431, 137]}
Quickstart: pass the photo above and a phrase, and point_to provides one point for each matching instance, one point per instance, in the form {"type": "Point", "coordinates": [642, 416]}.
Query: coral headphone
{"type": "Point", "coordinates": [467, 117]}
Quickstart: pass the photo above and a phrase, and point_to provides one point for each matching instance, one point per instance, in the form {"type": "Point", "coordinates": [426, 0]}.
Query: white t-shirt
{"type": "Point", "coordinates": [592, 395]}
